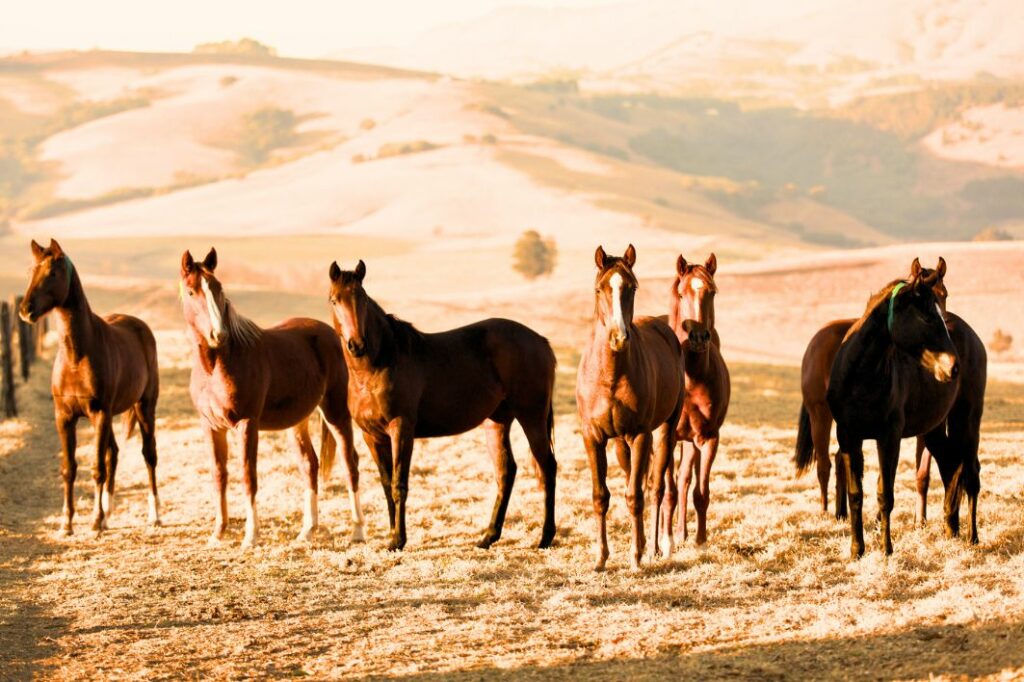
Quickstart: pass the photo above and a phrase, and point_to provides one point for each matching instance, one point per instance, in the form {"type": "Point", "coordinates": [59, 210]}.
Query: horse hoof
{"type": "Point", "coordinates": [599, 567]}
{"type": "Point", "coordinates": [396, 546]}
{"type": "Point", "coordinates": [545, 543]}
{"type": "Point", "coordinates": [97, 525]}
{"type": "Point", "coordinates": [487, 540]}
{"type": "Point", "coordinates": [155, 523]}
{"type": "Point", "coordinates": [358, 535]}
{"type": "Point", "coordinates": [304, 536]}
{"type": "Point", "coordinates": [248, 543]}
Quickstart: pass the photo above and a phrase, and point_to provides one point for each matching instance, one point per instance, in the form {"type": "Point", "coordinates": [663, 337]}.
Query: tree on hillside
{"type": "Point", "coordinates": [262, 132]}
{"type": "Point", "coordinates": [243, 46]}
{"type": "Point", "coordinates": [534, 256]}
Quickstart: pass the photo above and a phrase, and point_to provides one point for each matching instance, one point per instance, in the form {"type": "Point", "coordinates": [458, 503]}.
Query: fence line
{"type": "Point", "coordinates": [10, 409]}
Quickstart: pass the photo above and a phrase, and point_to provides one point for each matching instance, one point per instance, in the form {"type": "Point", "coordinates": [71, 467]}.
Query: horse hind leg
{"type": "Point", "coordinates": [540, 439]}
{"type": "Point", "coordinates": [821, 432]}
{"type": "Point", "coordinates": [308, 467]}
{"type": "Point", "coordinates": [108, 491]}
{"type": "Point", "coordinates": [702, 493]}
{"type": "Point", "coordinates": [662, 455]}
{"type": "Point", "coordinates": [923, 466]}
{"type": "Point", "coordinates": [339, 429]}
{"type": "Point", "coordinates": [687, 459]}
{"type": "Point", "coordinates": [104, 433]}
{"type": "Point", "coordinates": [500, 447]}
{"type": "Point", "coordinates": [145, 413]}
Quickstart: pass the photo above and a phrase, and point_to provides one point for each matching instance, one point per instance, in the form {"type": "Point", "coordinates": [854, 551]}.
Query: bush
{"type": "Point", "coordinates": [245, 46]}
{"type": "Point", "coordinates": [262, 132]}
{"type": "Point", "coordinates": [402, 148]}
{"type": "Point", "coordinates": [993, 234]}
{"type": "Point", "coordinates": [534, 256]}
{"type": "Point", "coordinates": [1001, 342]}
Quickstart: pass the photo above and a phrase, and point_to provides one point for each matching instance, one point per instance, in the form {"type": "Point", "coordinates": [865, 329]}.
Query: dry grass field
{"type": "Point", "coordinates": [772, 596]}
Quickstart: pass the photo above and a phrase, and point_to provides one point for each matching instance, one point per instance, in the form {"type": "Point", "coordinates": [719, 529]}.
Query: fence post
{"type": "Point", "coordinates": [7, 361]}
{"type": "Point", "coordinates": [25, 346]}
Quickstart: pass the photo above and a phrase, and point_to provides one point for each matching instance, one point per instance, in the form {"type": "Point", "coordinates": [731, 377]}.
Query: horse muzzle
{"type": "Point", "coordinates": [356, 348]}
{"type": "Point", "coordinates": [944, 366]}
{"type": "Point", "coordinates": [27, 315]}
{"type": "Point", "coordinates": [617, 339]}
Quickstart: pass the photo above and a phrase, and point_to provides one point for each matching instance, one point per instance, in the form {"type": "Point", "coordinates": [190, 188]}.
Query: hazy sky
{"type": "Point", "coordinates": [306, 28]}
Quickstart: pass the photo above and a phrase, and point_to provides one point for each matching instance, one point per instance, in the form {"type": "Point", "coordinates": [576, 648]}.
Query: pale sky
{"type": "Point", "coordinates": [301, 28]}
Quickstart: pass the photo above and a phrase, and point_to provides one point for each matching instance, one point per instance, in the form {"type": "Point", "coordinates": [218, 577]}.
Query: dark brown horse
{"type": "Point", "coordinates": [629, 388]}
{"type": "Point", "coordinates": [406, 384]}
{"type": "Point", "coordinates": [104, 366]}
{"type": "Point", "coordinates": [251, 379]}
{"type": "Point", "coordinates": [896, 375]}
{"type": "Point", "coordinates": [815, 426]}
{"type": "Point", "coordinates": [706, 395]}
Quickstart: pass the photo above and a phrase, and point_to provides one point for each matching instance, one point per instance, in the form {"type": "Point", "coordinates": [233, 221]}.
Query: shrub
{"type": "Point", "coordinates": [262, 132]}
{"type": "Point", "coordinates": [245, 46]}
{"type": "Point", "coordinates": [993, 234]}
{"type": "Point", "coordinates": [533, 255]}
{"type": "Point", "coordinates": [402, 148]}
{"type": "Point", "coordinates": [1001, 342]}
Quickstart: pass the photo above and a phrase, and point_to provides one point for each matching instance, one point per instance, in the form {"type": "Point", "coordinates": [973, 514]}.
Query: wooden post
{"type": "Point", "coordinates": [25, 346]}
{"type": "Point", "coordinates": [7, 361]}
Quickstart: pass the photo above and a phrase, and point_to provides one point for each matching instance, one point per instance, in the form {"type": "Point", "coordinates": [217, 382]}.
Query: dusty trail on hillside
{"type": "Point", "coordinates": [772, 596]}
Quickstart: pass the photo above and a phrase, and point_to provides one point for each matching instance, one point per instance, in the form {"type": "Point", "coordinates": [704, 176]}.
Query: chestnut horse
{"type": "Point", "coordinates": [629, 387]}
{"type": "Point", "coordinates": [897, 375]}
{"type": "Point", "coordinates": [706, 395]}
{"type": "Point", "coordinates": [406, 384]}
{"type": "Point", "coordinates": [815, 425]}
{"type": "Point", "coordinates": [104, 366]}
{"type": "Point", "coordinates": [251, 379]}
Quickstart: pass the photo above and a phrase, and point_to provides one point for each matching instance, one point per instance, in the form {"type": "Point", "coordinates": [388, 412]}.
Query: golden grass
{"type": "Point", "coordinates": [772, 596]}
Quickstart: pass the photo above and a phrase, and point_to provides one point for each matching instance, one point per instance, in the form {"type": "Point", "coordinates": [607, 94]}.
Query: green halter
{"type": "Point", "coordinates": [892, 299]}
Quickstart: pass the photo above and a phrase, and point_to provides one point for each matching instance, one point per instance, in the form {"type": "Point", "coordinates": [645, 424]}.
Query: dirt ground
{"type": "Point", "coordinates": [773, 595]}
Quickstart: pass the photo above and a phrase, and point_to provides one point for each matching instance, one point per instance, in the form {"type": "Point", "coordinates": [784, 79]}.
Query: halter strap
{"type": "Point", "coordinates": [892, 299]}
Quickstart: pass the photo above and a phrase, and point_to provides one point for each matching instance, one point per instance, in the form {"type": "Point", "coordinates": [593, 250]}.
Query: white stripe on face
{"type": "Point", "coordinates": [616, 284]}
{"type": "Point", "coordinates": [696, 284]}
{"type": "Point", "coordinates": [216, 319]}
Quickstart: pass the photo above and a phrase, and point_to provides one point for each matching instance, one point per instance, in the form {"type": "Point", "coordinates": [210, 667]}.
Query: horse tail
{"type": "Point", "coordinates": [328, 449]}
{"type": "Point", "coordinates": [804, 442]}
{"type": "Point", "coordinates": [131, 418]}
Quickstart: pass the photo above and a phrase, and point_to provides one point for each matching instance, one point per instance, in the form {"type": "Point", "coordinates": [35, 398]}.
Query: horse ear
{"type": "Point", "coordinates": [360, 270]}
{"type": "Point", "coordinates": [630, 256]}
{"type": "Point", "coordinates": [600, 257]}
{"type": "Point", "coordinates": [37, 251]}
{"type": "Point", "coordinates": [711, 264]}
{"type": "Point", "coordinates": [187, 263]}
{"type": "Point", "coordinates": [210, 262]}
{"type": "Point", "coordinates": [55, 249]}
{"type": "Point", "coordinates": [688, 326]}
{"type": "Point", "coordinates": [915, 268]}
{"type": "Point", "coordinates": [681, 265]}
{"type": "Point", "coordinates": [941, 267]}
{"type": "Point", "coordinates": [335, 271]}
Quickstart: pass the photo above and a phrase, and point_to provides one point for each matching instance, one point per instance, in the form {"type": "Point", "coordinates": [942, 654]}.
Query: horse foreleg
{"type": "Point", "coordinates": [661, 455]}
{"type": "Point", "coordinates": [219, 450]}
{"type": "Point", "coordinates": [543, 456]}
{"type": "Point", "coordinates": [500, 447]}
{"type": "Point", "coordinates": [66, 426]}
{"type": "Point", "coordinates": [687, 455]}
{"type": "Point", "coordinates": [888, 460]}
{"type": "Point", "coordinates": [701, 501]}
{"type": "Point", "coordinates": [640, 451]}
{"type": "Point", "coordinates": [339, 426]}
{"type": "Point", "coordinates": [250, 432]}
{"type": "Point", "coordinates": [104, 433]}
{"type": "Point", "coordinates": [108, 491]}
{"type": "Point", "coordinates": [668, 506]}
{"type": "Point", "coordinates": [380, 450]}
{"type": "Point", "coordinates": [853, 462]}
{"type": "Point", "coordinates": [308, 468]}
{"type": "Point", "coordinates": [146, 412]}
{"type": "Point", "coordinates": [402, 433]}
{"type": "Point", "coordinates": [923, 465]}
{"type": "Point", "coordinates": [598, 459]}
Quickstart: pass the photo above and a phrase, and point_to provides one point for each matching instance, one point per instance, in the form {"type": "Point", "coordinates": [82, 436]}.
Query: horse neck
{"type": "Point", "coordinates": [612, 365]}
{"type": "Point", "coordinates": [870, 348]}
{"type": "Point", "coordinates": [696, 363]}
{"type": "Point", "coordinates": [380, 337]}
{"type": "Point", "coordinates": [75, 319]}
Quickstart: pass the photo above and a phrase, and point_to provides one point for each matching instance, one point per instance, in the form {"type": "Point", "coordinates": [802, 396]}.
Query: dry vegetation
{"type": "Point", "coordinates": [772, 596]}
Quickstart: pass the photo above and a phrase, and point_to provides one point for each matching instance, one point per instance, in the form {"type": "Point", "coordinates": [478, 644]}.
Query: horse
{"type": "Point", "coordinates": [105, 366]}
{"type": "Point", "coordinates": [629, 388]}
{"type": "Point", "coordinates": [896, 375]}
{"type": "Point", "coordinates": [249, 379]}
{"type": "Point", "coordinates": [407, 384]}
{"type": "Point", "coordinates": [815, 422]}
{"type": "Point", "coordinates": [706, 393]}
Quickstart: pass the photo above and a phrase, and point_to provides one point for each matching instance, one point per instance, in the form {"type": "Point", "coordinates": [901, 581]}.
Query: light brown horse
{"type": "Point", "coordinates": [104, 366]}
{"type": "Point", "coordinates": [406, 384]}
{"type": "Point", "coordinates": [251, 379]}
{"type": "Point", "coordinates": [707, 392]}
{"type": "Point", "coordinates": [629, 389]}
{"type": "Point", "coordinates": [816, 418]}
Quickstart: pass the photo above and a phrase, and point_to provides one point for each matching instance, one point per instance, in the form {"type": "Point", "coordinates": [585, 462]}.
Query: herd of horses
{"type": "Point", "coordinates": [905, 368]}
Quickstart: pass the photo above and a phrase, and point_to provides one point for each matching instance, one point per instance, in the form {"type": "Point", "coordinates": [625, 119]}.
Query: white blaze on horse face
{"type": "Point", "coordinates": [216, 319]}
{"type": "Point", "coordinates": [619, 333]}
{"type": "Point", "coordinates": [696, 284]}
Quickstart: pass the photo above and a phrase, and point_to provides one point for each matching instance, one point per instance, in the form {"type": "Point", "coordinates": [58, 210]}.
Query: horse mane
{"type": "Point", "coordinates": [406, 336]}
{"type": "Point", "coordinates": [241, 329]}
{"type": "Point", "coordinates": [878, 298]}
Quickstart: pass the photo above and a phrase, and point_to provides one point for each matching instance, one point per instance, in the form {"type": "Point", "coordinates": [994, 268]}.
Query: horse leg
{"type": "Point", "coordinates": [622, 454]}
{"type": "Point", "coordinates": [951, 471]}
{"type": "Point", "coordinates": [380, 450]}
{"type": "Point", "coordinates": [500, 447]}
{"type": "Point", "coordinates": [309, 468]}
{"type": "Point", "coordinates": [108, 491]}
{"type": "Point", "coordinates": [842, 510]}
{"type": "Point", "coordinates": [402, 433]}
{"type": "Point", "coordinates": [853, 462]}
{"type": "Point", "coordinates": [888, 461]}
{"type": "Point", "coordinates": [923, 463]}
{"type": "Point", "coordinates": [219, 450]}
{"type": "Point", "coordinates": [640, 452]}
{"type": "Point", "coordinates": [821, 432]}
{"type": "Point", "coordinates": [598, 459]}
{"type": "Point", "coordinates": [250, 432]}
{"type": "Point", "coordinates": [709, 449]}
{"type": "Point", "coordinates": [662, 452]}
{"type": "Point", "coordinates": [687, 455]}
{"type": "Point", "coordinates": [66, 425]}
{"type": "Point", "coordinates": [537, 435]}
{"type": "Point", "coordinates": [339, 424]}
{"type": "Point", "coordinates": [668, 507]}
{"type": "Point", "coordinates": [104, 432]}
{"type": "Point", "coordinates": [146, 413]}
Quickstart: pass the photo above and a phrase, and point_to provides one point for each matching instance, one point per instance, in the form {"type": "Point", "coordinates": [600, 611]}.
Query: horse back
{"type": "Point", "coordinates": [130, 360]}
{"type": "Point", "coordinates": [302, 357]}
{"type": "Point", "coordinates": [816, 366]}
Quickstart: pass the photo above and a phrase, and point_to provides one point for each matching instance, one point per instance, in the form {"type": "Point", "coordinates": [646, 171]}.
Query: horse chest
{"type": "Point", "coordinates": [216, 400]}
{"type": "Point", "coordinates": [371, 399]}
